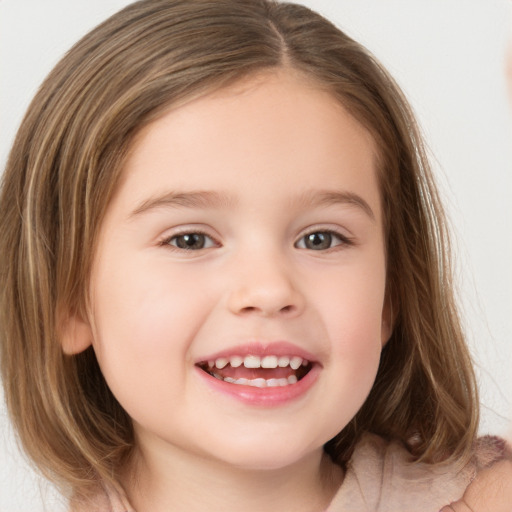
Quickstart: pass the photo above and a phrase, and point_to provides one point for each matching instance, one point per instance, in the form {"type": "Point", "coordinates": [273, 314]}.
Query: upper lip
{"type": "Point", "coordinates": [276, 348]}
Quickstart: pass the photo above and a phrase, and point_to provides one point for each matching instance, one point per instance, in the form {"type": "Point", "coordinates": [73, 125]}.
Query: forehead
{"type": "Point", "coordinates": [277, 126]}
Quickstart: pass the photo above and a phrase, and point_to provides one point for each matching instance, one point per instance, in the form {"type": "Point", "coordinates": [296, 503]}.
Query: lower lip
{"type": "Point", "coordinates": [263, 397]}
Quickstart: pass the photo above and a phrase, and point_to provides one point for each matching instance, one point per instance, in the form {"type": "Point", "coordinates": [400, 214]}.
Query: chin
{"type": "Point", "coordinates": [268, 457]}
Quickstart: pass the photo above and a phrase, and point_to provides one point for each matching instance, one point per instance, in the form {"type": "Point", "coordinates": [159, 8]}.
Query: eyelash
{"type": "Point", "coordinates": [168, 241]}
{"type": "Point", "coordinates": [343, 241]}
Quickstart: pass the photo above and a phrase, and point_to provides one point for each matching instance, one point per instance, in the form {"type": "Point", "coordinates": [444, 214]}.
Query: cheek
{"type": "Point", "coordinates": [146, 304]}
{"type": "Point", "coordinates": [144, 324]}
{"type": "Point", "coordinates": [352, 313]}
{"type": "Point", "coordinates": [353, 299]}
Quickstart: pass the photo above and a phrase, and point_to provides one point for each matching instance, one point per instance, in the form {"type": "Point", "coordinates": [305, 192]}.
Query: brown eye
{"type": "Point", "coordinates": [191, 241]}
{"type": "Point", "coordinates": [318, 241]}
{"type": "Point", "coordinates": [321, 241]}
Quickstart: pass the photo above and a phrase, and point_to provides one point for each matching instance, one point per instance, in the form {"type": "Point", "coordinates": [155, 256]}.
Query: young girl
{"type": "Point", "coordinates": [225, 274]}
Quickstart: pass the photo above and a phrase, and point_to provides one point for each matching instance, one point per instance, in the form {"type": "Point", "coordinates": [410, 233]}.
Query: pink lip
{"type": "Point", "coordinates": [263, 397]}
{"type": "Point", "coordinates": [279, 348]}
{"type": "Point", "coordinates": [269, 396]}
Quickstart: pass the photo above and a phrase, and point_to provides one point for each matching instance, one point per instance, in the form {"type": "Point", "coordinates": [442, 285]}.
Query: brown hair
{"type": "Point", "coordinates": [64, 167]}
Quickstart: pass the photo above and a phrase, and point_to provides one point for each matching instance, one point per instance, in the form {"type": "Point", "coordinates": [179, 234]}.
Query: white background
{"type": "Point", "coordinates": [449, 57]}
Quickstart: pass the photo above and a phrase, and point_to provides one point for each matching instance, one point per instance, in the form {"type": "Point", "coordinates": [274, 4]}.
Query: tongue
{"type": "Point", "coordinates": [254, 373]}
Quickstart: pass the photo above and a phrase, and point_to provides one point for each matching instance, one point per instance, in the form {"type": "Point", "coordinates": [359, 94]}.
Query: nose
{"type": "Point", "coordinates": [267, 287]}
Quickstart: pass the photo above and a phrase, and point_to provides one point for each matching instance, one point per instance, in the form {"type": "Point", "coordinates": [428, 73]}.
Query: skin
{"type": "Point", "coordinates": [491, 491]}
{"type": "Point", "coordinates": [268, 151]}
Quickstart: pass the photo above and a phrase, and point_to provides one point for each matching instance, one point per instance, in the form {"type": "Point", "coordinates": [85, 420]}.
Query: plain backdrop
{"type": "Point", "coordinates": [449, 57]}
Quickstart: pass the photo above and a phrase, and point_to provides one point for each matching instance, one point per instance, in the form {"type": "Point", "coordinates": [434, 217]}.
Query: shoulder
{"type": "Point", "coordinates": [492, 488]}
{"type": "Point", "coordinates": [104, 499]}
{"type": "Point", "coordinates": [383, 477]}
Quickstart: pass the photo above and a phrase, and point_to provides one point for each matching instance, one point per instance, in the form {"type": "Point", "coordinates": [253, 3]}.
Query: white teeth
{"type": "Point", "coordinates": [252, 362]}
{"type": "Point", "coordinates": [236, 361]}
{"type": "Point", "coordinates": [260, 383]}
{"type": "Point", "coordinates": [264, 383]}
{"type": "Point", "coordinates": [295, 362]}
{"type": "Point", "coordinates": [269, 362]}
{"type": "Point", "coordinates": [283, 361]}
{"type": "Point", "coordinates": [221, 362]}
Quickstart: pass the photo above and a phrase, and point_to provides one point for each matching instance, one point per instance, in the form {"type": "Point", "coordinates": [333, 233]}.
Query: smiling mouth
{"type": "Point", "coordinates": [260, 372]}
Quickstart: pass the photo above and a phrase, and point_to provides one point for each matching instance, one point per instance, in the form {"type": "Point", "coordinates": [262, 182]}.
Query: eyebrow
{"type": "Point", "coordinates": [199, 199]}
{"type": "Point", "coordinates": [334, 197]}
{"type": "Point", "coordinates": [212, 200]}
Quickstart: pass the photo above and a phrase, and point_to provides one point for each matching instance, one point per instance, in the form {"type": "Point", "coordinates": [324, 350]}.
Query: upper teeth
{"type": "Point", "coordinates": [251, 361]}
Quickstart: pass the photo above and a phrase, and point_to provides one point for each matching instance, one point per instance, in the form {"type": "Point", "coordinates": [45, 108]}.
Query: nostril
{"type": "Point", "coordinates": [248, 309]}
{"type": "Point", "coordinates": [265, 300]}
{"type": "Point", "coordinates": [267, 311]}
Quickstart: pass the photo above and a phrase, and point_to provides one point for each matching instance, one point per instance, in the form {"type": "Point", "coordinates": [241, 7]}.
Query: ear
{"type": "Point", "coordinates": [75, 333]}
{"type": "Point", "coordinates": [388, 319]}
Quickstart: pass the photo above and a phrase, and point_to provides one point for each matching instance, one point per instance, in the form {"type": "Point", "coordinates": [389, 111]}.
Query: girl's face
{"type": "Point", "coordinates": [238, 288]}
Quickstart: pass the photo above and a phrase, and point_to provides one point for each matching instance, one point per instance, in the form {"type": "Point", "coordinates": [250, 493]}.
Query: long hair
{"type": "Point", "coordinates": [64, 167]}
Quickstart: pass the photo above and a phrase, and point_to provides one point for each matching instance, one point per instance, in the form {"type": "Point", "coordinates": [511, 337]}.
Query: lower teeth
{"type": "Point", "coordinates": [260, 383]}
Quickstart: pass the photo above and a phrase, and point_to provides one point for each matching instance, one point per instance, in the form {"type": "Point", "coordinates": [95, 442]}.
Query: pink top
{"type": "Point", "coordinates": [380, 477]}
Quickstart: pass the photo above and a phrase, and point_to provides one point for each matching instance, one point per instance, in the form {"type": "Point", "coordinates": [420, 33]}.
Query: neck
{"type": "Point", "coordinates": [191, 483]}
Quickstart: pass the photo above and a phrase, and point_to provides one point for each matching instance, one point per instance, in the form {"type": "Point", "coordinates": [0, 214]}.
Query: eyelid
{"type": "Point", "coordinates": [345, 239]}
{"type": "Point", "coordinates": [187, 230]}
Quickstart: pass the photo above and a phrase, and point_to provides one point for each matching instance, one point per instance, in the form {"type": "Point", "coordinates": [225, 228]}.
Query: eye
{"type": "Point", "coordinates": [191, 241]}
{"type": "Point", "coordinates": [322, 241]}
